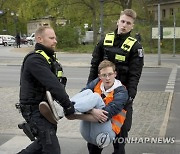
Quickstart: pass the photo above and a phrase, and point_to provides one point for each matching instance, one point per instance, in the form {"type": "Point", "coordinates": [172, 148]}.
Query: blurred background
{"type": "Point", "coordinates": [80, 24]}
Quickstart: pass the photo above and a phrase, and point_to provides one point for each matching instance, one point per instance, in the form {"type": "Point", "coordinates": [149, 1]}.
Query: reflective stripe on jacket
{"type": "Point", "coordinates": [117, 120]}
{"type": "Point", "coordinates": [57, 69]}
{"type": "Point", "coordinates": [126, 46]}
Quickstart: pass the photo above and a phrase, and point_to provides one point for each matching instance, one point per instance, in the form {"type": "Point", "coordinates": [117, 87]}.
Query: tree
{"type": "Point", "coordinates": [125, 4]}
{"type": "Point", "coordinates": [87, 9]}
{"type": "Point", "coordinates": [90, 9]}
{"type": "Point", "coordinates": [7, 24]}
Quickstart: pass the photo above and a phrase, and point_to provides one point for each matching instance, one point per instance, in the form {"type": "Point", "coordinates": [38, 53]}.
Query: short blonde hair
{"type": "Point", "coordinates": [41, 30]}
{"type": "Point", "coordinates": [129, 12]}
{"type": "Point", "coordinates": [104, 64]}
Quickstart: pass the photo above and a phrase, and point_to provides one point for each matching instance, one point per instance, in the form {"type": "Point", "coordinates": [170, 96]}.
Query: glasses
{"type": "Point", "coordinates": [107, 75]}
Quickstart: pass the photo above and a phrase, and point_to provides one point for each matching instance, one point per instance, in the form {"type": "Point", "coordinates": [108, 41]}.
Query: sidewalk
{"type": "Point", "coordinates": [75, 59]}
{"type": "Point", "coordinates": [150, 109]}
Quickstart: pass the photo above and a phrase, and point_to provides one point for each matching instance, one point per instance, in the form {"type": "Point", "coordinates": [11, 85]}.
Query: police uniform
{"type": "Point", "coordinates": [40, 72]}
{"type": "Point", "coordinates": [127, 54]}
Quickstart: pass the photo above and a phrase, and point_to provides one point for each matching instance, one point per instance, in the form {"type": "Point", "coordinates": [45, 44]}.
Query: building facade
{"type": "Point", "coordinates": [35, 24]}
{"type": "Point", "coordinates": [167, 8]}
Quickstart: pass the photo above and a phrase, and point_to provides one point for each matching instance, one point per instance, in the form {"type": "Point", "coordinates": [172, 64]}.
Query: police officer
{"type": "Point", "coordinates": [40, 72]}
{"type": "Point", "coordinates": [127, 54]}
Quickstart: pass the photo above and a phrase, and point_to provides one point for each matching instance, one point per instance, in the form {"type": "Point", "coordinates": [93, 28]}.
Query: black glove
{"type": "Point", "coordinates": [69, 110]}
{"type": "Point", "coordinates": [63, 80]}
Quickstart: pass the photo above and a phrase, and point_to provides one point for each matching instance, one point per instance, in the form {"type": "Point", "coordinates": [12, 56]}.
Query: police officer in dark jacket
{"type": "Point", "coordinates": [127, 54]}
{"type": "Point", "coordinates": [40, 72]}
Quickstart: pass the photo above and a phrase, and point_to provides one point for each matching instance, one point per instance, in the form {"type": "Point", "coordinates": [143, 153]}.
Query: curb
{"type": "Point", "coordinates": [76, 64]}
{"type": "Point", "coordinates": [163, 128]}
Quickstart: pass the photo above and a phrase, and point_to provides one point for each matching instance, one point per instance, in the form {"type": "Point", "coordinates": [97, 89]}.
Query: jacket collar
{"type": "Point", "coordinates": [116, 84]}
{"type": "Point", "coordinates": [48, 51]}
{"type": "Point", "coordinates": [121, 36]}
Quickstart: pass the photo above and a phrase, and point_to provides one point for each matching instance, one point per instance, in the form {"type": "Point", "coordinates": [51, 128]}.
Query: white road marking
{"type": "Point", "coordinates": [169, 88]}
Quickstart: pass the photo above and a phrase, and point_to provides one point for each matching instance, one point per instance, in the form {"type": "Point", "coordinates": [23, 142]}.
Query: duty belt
{"type": "Point", "coordinates": [29, 108]}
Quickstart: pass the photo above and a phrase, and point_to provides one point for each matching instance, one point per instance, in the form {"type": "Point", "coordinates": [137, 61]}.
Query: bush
{"type": "Point", "coordinates": [67, 37]}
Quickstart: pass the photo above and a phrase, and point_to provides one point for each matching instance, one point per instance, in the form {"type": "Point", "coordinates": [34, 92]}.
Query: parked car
{"type": "Point", "coordinates": [8, 40]}
{"type": "Point", "coordinates": [31, 39]}
{"type": "Point", "coordinates": [1, 40]}
{"type": "Point", "coordinates": [24, 40]}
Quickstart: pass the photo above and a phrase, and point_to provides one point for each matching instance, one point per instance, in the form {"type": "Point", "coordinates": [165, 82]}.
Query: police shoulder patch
{"type": "Point", "coordinates": [141, 52]}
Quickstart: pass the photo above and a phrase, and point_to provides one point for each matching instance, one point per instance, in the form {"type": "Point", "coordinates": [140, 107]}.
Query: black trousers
{"type": "Point", "coordinates": [47, 141]}
{"type": "Point", "coordinates": [119, 145]}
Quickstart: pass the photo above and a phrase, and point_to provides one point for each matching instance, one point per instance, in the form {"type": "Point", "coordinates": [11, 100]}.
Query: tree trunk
{"type": "Point", "coordinates": [94, 27]}
{"type": "Point", "coordinates": [126, 4]}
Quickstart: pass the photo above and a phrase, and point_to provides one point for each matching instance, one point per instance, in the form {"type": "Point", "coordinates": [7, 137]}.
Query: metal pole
{"type": "Point", "coordinates": [159, 40]}
{"type": "Point", "coordinates": [101, 18]}
{"type": "Point", "coordinates": [174, 40]}
{"type": "Point", "coordinates": [15, 22]}
{"type": "Point", "coordinates": [14, 19]}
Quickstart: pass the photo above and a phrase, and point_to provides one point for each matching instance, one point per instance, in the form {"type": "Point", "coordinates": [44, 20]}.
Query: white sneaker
{"type": "Point", "coordinates": [56, 108]}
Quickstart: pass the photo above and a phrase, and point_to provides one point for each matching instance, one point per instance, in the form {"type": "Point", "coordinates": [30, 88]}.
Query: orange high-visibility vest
{"type": "Point", "coordinates": [117, 120]}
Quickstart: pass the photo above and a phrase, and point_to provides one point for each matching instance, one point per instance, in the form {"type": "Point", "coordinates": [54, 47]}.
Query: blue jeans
{"type": "Point", "coordinates": [100, 134]}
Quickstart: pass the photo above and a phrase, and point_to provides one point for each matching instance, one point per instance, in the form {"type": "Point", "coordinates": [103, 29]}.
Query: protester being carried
{"type": "Point", "coordinates": [101, 103]}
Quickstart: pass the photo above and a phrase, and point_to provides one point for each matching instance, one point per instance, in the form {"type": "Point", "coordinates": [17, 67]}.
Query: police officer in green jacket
{"type": "Point", "coordinates": [41, 72]}
{"type": "Point", "coordinates": [127, 54]}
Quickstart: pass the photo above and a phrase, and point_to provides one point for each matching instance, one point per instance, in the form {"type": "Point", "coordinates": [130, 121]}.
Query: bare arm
{"type": "Point", "coordinates": [85, 117]}
{"type": "Point", "coordinates": [99, 114]}
{"type": "Point", "coordinates": [95, 115]}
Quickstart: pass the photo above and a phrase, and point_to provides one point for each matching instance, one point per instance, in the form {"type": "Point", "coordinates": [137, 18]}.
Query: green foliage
{"type": "Point", "coordinates": [34, 9]}
{"type": "Point", "coordinates": [79, 12]}
{"type": "Point", "coordinates": [167, 46]}
{"type": "Point", "coordinates": [67, 36]}
{"type": "Point", "coordinates": [151, 45]}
